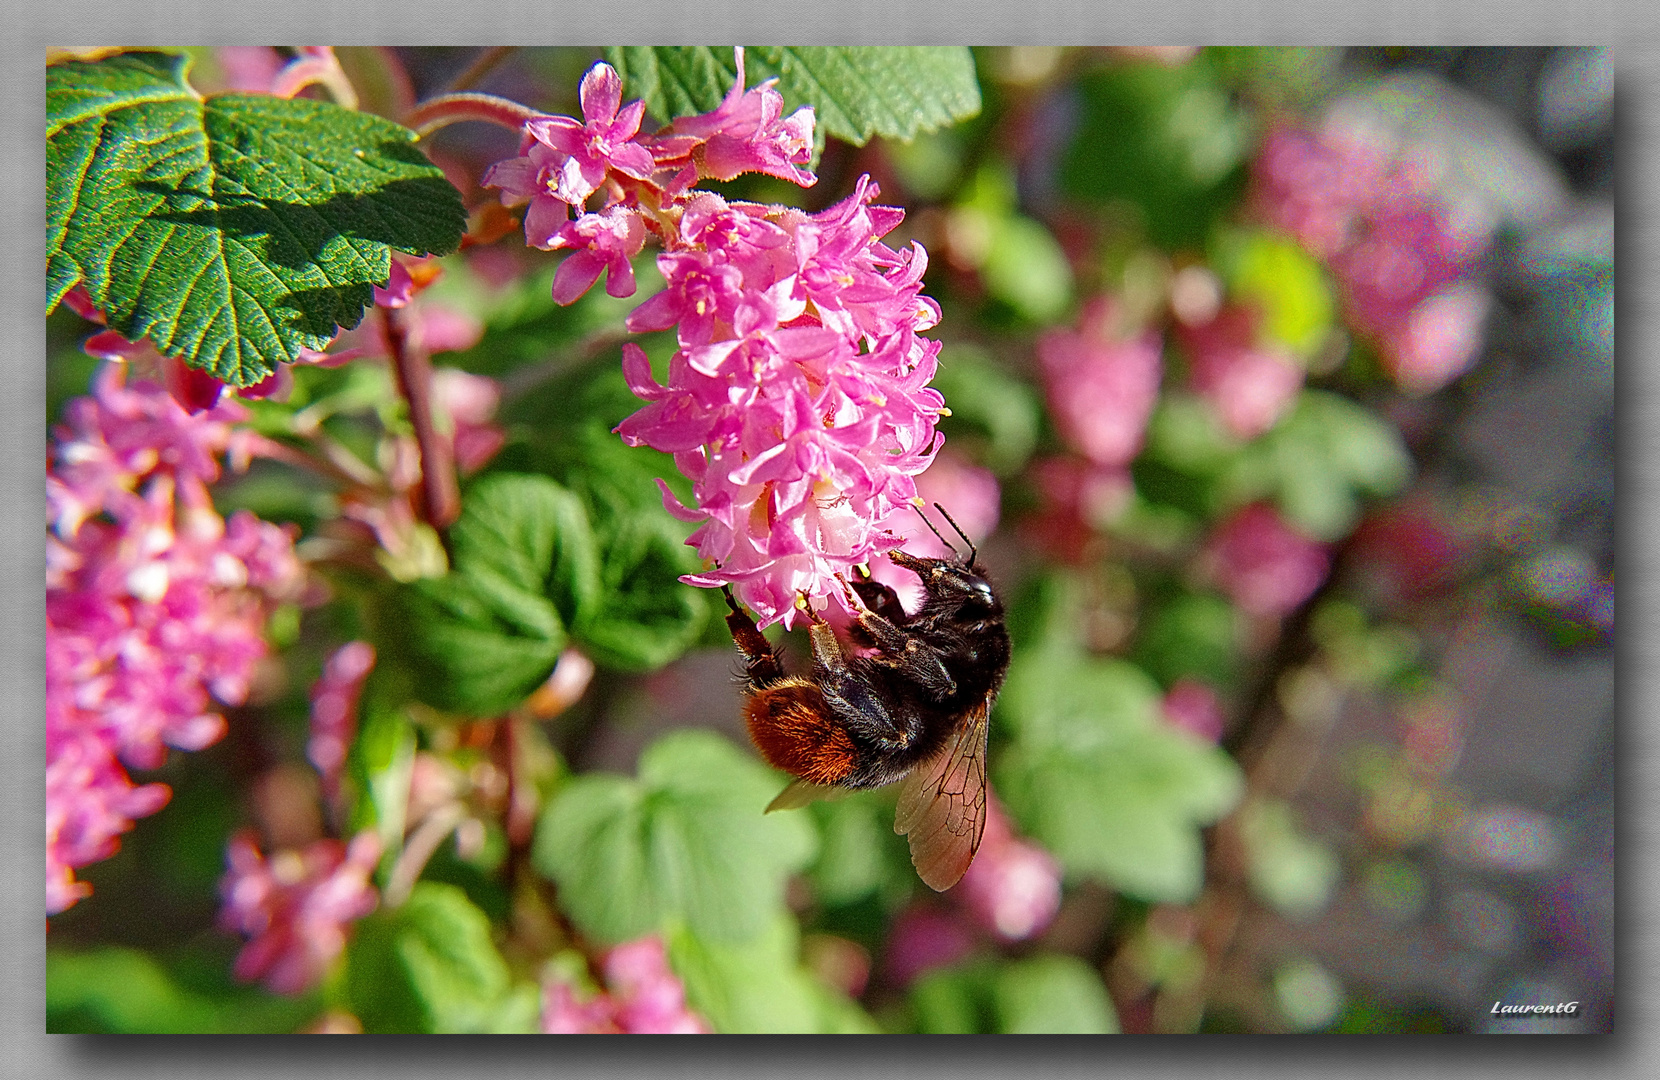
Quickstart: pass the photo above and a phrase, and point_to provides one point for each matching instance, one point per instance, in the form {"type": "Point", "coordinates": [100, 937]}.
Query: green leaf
{"type": "Point", "coordinates": [1095, 776]}
{"type": "Point", "coordinates": [1192, 634]}
{"type": "Point", "coordinates": [382, 761]}
{"type": "Point", "coordinates": [990, 408]}
{"type": "Point", "coordinates": [1048, 994]}
{"type": "Point", "coordinates": [1317, 462]}
{"type": "Point", "coordinates": [895, 91]}
{"type": "Point", "coordinates": [533, 533]}
{"type": "Point", "coordinates": [1165, 141]}
{"type": "Point", "coordinates": [485, 635]}
{"type": "Point", "coordinates": [1284, 282]}
{"type": "Point", "coordinates": [1288, 871]}
{"type": "Point", "coordinates": [1053, 994]}
{"type": "Point", "coordinates": [687, 841]}
{"type": "Point", "coordinates": [431, 966]}
{"type": "Point", "coordinates": [235, 230]}
{"type": "Point", "coordinates": [125, 991]}
{"type": "Point", "coordinates": [758, 986]}
{"type": "Point", "coordinates": [647, 617]}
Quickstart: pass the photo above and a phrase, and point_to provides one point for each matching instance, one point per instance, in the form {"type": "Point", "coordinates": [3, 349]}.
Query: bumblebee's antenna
{"type": "Point", "coordinates": [972, 552]}
{"type": "Point", "coordinates": [936, 532]}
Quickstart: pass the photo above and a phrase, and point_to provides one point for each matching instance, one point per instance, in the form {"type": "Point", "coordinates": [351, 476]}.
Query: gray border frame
{"type": "Point", "coordinates": [28, 1052]}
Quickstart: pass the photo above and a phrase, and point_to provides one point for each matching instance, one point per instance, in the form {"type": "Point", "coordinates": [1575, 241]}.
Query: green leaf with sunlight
{"type": "Point", "coordinates": [1043, 994]}
{"type": "Point", "coordinates": [125, 991]}
{"type": "Point", "coordinates": [1317, 463]}
{"type": "Point", "coordinates": [758, 986]}
{"type": "Point", "coordinates": [856, 91]}
{"type": "Point", "coordinates": [486, 634]}
{"type": "Point", "coordinates": [1094, 774]}
{"type": "Point", "coordinates": [686, 841]}
{"type": "Point", "coordinates": [430, 966]}
{"type": "Point", "coordinates": [234, 230]}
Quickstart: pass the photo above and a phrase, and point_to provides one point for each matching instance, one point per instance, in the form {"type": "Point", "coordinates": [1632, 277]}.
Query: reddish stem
{"type": "Point", "coordinates": [440, 497]}
{"type": "Point", "coordinates": [429, 116]}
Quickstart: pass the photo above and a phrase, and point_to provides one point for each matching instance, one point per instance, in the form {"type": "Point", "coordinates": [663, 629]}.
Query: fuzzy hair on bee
{"type": "Point", "coordinates": [912, 709]}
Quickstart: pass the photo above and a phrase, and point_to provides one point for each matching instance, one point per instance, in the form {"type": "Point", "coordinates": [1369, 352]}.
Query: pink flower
{"type": "Point", "coordinates": [603, 241]}
{"type": "Point", "coordinates": [922, 939]}
{"type": "Point", "coordinates": [599, 144]}
{"type": "Point", "coordinates": [1077, 499]}
{"type": "Point", "coordinates": [650, 1000]}
{"type": "Point", "coordinates": [1438, 340]}
{"type": "Point", "coordinates": [1013, 888]}
{"type": "Point", "coordinates": [155, 605]}
{"type": "Point", "coordinates": [1250, 385]}
{"type": "Point", "coordinates": [1194, 707]}
{"type": "Point", "coordinates": [561, 163]}
{"type": "Point", "coordinates": [334, 710]}
{"type": "Point", "coordinates": [747, 132]}
{"type": "Point", "coordinates": [470, 401]}
{"type": "Point", "coordinates": [563, 1013]}
{"type": "Point", "coordinates": [295, 908]}
{"type": "Point", "coordinates": [1267, 567]}
{"type": "Point", "coordinates": [90, 802]}
{"type": "Point", "coordinates": [643, 997]}
{"type": "Point", "coordinates": [1101, 389]}
{"type": "Point", "coordinates": [798, 407]}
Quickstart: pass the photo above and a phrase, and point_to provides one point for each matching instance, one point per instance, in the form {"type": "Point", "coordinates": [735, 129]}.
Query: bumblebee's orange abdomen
{"type": "Point", "coordinates": [792, 727]}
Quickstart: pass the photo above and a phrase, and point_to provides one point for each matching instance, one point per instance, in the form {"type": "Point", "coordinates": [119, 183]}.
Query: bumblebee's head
{"type": "Point", "coordinates": [953, 585]}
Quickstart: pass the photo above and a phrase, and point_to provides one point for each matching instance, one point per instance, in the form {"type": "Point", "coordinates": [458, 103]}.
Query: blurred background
{"type": "Point", "coordinates": [1282, 391]}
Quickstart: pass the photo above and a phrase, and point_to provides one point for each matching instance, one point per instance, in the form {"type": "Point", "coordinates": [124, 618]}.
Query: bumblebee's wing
{"type": "Point", "coordinates": [942, 805]}
{"type": "Point", "coordinates": [802, 792]}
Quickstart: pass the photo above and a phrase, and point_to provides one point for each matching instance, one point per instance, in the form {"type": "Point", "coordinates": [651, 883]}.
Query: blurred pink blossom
{"type": "Point", "coordinates": [1403, 264]}
{"type": "Point", "coordinates": [1101, 388]}
{"type": "Point", "coordinates": [155, 606]}
{"type": "Point", "coordinates": [1194, 707]}
{"type": "Point", "coordinates": [643, 997]}
{"type": "Point", "coordinates": [1078, 498]}
{"type": "Point", "coordinates": [334, 701]}
{"type": "Point", "coordinates": [1439, 339]}
{"type": "Point", "coordinates": [922, 939]}
{"type": "Point", "coordinates": [1267, 567]}
{"type": "Point", "coordinates": [470, 402]}
{"type": "Point", "coordinates": [1013, 887]}
{"type": "Point", "coordinates": [90, 802]}
{"type": "Point", "coordinates": [296, 907]}
{"type": "Point", "coordinates": [1250, 384]}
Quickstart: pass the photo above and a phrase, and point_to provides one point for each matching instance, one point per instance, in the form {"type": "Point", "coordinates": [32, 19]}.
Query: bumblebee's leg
{"type": "Point", "coordinates": [851, 694]}
{"type": "Point", "coordinates": [880, 598]}
{"type": "Point", "coordinates": [907, 654]}
{"type": "Point", "coordinates": [761, 666]}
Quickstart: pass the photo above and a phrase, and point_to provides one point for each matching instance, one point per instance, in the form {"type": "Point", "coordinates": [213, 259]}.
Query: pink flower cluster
{"type": "Point", "coordinates": [295, 907]}
{"type": "Point", "coordinates": [562, 163]}
{"type": "Point", "coordinates": [1265, 565]}
{"type": "Point", "coordinates": [643, 997]}
{"type": "Point", "coordinates": [798, 401]}
{"type": "Point", "coordinates": [155, 607]}
{"type": "Point", "coordinates": [1403, 264]}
